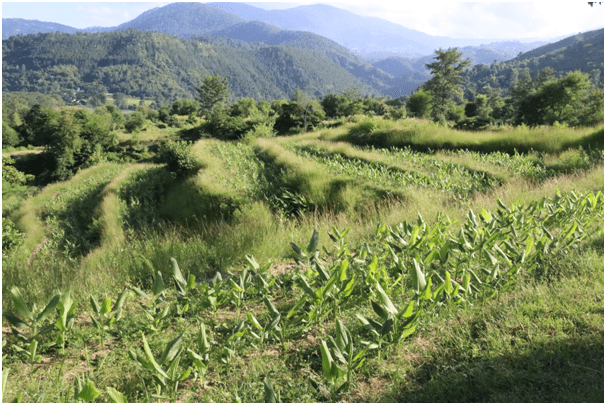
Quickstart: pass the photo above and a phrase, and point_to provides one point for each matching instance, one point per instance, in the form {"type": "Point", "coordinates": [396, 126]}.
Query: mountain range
{"type": "Point", "coordinates": [374, 55]}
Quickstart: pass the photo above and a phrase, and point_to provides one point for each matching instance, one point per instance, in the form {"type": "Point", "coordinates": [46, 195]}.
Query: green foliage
{"type": "Point", "coordinates": [419, 103]}
{"type": "Point", "coordinates": [445, 84]}
{"type": "Point", "coordinates": [213, 91]}
{"type": "Point", "coordinates": [301, 113]}
{"type": "Point", "coordinates": [179, 159]}
{"type": "Point", "coordinates": [135, 121]}
{"type": "Point", "coordinates": [10, 137]}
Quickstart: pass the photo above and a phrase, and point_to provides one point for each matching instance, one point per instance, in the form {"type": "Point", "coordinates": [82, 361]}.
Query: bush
{"type": "Point", "coordinates": [10, 137]}
{"type": "Point", "coordinates": [179, 159]}
{"type": "Point", "coordinates": [135, 122]}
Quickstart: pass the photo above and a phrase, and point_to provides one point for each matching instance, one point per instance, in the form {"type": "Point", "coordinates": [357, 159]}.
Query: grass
{"type": "Point", "coordinates": [539, 340]}
{"type": "Point", "coordinates": [424, 135]}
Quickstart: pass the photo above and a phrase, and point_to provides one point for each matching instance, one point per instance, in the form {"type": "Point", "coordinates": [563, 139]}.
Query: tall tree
{"type": "Point", "coordinates": [445, 85]}
{"type": "Point", "coordinates": [212, 92]}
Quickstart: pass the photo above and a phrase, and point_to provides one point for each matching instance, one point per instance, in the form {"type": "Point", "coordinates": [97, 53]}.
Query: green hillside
{"type": "Point", "coordinates": [584, 52]}
{"type": "Point", "coordinates": [161, 67]}
{"type": "Point", "coordinates": [394, 254]}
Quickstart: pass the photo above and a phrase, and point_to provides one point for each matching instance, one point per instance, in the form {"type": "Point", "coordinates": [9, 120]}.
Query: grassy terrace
{"type": "Point", "coordinates": [446, 266]}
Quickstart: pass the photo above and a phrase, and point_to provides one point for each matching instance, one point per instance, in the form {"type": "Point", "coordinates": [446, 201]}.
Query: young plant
{"type": "Point", "coordinates": [167, 380]}
{"type": "Point", "coordinates": [311, 253]}
{"type": "Point", "coordinates": [212, 295]}
{"type": "Point", "coordinates": [85, 391]}
{"type": "Point", "coordinates": [66, 309]}
{"type": "Point", "coordinates": [33, 322]}
{"type": "Point", "coordinates": [107, 314]}
{"type": "Point", "coordinates": [184, 288]}
{"type": "Point", "coordinates": [272, 326]}
{"type": "Point", "coordinates": [342, 349]}
{"type": "Point", "coordinates": [202, 357]}
{"type": "Point", "coordinates": [394, 325]}
{"type": "Point", "coordinates": [154, 312]}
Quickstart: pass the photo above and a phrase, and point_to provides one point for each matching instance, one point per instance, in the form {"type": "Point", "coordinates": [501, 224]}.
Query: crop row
{"type": "Point", "coordinates": [389, 284]}
{"type": "Point", "coordinates": [426, 172]}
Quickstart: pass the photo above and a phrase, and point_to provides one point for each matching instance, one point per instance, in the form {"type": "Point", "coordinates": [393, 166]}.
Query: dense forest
{"type": "Point", "coordinates": [164, 68]}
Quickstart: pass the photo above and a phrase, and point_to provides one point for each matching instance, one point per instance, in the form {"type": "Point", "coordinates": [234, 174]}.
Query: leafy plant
{"type": "Point", "coordinates": [35, 325]}
{"type": "Point", "coordinates": [169, 379]}
{"type": "Point", "coordinates": [106, 313]}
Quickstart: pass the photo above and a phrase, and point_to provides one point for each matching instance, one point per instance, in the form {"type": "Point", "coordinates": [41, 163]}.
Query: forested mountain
{"type": "Point", "coordinates": [20, 26]}
{"type": "Point", "coordinates": [183, 20]}
{"type": "Point", "coordinates": [584, 52]}
{"type": "Point", "coordinates": [364, 35]}
{"type": "Point", "coordinates": [163, 67]}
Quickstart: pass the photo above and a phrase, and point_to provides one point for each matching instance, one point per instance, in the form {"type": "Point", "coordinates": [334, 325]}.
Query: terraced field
{"type": "Point", "coordinates": [371, 249]}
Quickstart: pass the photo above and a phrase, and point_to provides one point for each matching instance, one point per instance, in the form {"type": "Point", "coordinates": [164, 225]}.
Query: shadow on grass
{"type": "Point", "coordinates": [562, 370]}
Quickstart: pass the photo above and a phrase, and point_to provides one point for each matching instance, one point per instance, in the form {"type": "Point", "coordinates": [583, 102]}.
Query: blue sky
{"type": "Point", "coordinates": [511, 20]}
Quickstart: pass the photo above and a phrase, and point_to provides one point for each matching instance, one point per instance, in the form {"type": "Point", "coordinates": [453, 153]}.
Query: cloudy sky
{"type": "Point", "coordinates": [505, 20]}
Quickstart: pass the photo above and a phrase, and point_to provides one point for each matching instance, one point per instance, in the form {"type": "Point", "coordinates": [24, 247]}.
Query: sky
{"type": "Point", "coordinates": [538, 20]}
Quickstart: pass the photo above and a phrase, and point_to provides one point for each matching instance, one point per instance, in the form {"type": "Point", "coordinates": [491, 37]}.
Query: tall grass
{"type": "Point", "coordinates": [424, 136]}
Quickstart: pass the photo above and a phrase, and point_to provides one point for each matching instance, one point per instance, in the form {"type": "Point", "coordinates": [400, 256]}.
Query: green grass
{"type": "Point", "coordinates": [538, 339]}
{"type": "Point", "coordinates": [424, 135]}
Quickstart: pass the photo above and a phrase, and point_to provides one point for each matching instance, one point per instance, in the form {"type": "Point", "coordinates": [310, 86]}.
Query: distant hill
{"type": "Point", "coordinates": [358, 33]}
{"type": "Point", "coordinates": [183, 20]}
{"type": "Point", "coordinates": [584, 52]}
{"type": "Point", "coordinates": [20, 26]}
{"type": "Point", "coordinates": [163, 67]}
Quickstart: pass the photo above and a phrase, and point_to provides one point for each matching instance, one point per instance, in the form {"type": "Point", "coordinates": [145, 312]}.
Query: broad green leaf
{"type": "Point", "coordinates": [120, 301]}
{"type": "Point", "coordinates": [270, 306]}
{"type": "Point", "coordinates": [447, 283]}
{"type": "Point", "coordinates": [327, 361]}
{"type": "Point", "coordinates": [386, 301]}
{"type": "Point", "coordinates": [349, 287]}
{"type": "Point", "coordinates": [253, 321]}
{"type": "Point", "coordinates": [172, 349]}
{"type": "Point", "coordinates": [337, 352]}
{"type": "Point", "coordinates": [158, 286]}
{"type": "Point", "coordinates": [191, 282]}
{"type": "Point", "coordinates": [426, 293]}
{"type": "Point", "coordinates": [379, 310]}
{"type": "Point", "coordinates": [313, 243]}
{"type": "Point", "coordinates": [408, 311]}
{"type": "Point", "coordinates": [418, 277]}
{"type": "Point", "coordinates": [387, 327]}
{"type": "Point", "coordinates": [328, 287]}
{"type": "Point", "coordinates": [235, 286]}
{"type": "Point", "coordinates": [529, 246]}
{"type": "Point", "coordinates": [150, 358]}
{"type": "Point", "coordinates": [296, 307]}
{"type": "Point", "coordinates": [297, 250]}
{"type": "Point", "coordinates": [49, 307]}
{"type": "Point", "coordinates": [106, 306]}
{"type": "Point", "coordinates": [94, 305]}
{"type": "Point", "coordinates": [373, 265]}
{"type": "Point", "coordinates": [89, 392]}
{"type": "Point", "coordinates": [177, 275]}
{"type": "Point", "coordinates": [253, 263]}
{"type": "Point", "coordinates": [485, 215]}
{"type": "Point", "coordinates": [343, 270]}
{"type": "Point", "coordinates": [139, 293]}
{"type": "Point", "coordinates": [14, 320]}
{"type": "Point", "coordinates": [343, 336]}
{"type": "Point", "coordinates": [116, 396]}
{"type": "Point", "coordinates": [20, 306]}
{"type": "Point", "coordinates": [274, 322]}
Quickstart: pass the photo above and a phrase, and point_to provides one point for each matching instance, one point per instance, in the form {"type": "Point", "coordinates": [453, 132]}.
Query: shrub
{"type": "Point", "coordinates": [135, 122]}
{"type": "Point", "coordinates": [10, 137]}
{"type": "Point", "coordinates": [179, 158]}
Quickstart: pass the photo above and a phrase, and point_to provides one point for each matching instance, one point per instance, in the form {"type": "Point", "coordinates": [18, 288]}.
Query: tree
{"type": "Point", "coordinates": [444, 86]}
{"type": "Point", "coordinates": [212, 92]}
{"type": "Point", "coordinates": [419, 103]}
